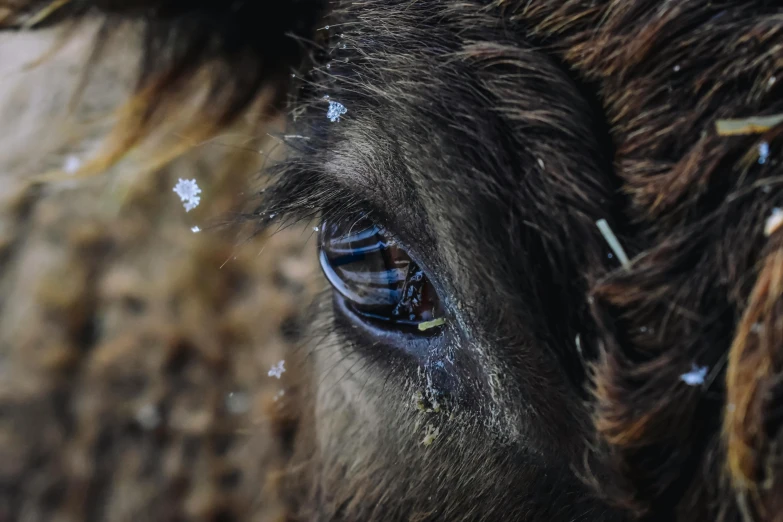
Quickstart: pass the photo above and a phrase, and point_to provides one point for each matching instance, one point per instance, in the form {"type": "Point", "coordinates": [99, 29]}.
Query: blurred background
{"type": "Point", "coordinates": [136, 338]}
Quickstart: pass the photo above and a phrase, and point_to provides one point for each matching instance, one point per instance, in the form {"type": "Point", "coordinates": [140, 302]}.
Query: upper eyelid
{"type": "Point", "coordinates": [363, 207]}
{"type": "Point", "coordinates": [414, 252]}
{"type": "Point", "coordinates": [301, 193]}
{"type": "Point", "coordinates": [332, 200]}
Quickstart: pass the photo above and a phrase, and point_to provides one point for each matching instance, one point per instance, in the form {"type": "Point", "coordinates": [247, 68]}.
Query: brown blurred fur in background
{"type": "Point", "coordinates": [133, 351]}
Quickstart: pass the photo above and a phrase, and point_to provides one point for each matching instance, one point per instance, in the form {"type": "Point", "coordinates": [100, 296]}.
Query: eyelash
{"type": "Point", "coordinates": [294, 197]}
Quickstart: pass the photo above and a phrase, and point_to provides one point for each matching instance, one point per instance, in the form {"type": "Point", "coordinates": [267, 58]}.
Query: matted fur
{"type": "Point", "coordinates": [618, 100]}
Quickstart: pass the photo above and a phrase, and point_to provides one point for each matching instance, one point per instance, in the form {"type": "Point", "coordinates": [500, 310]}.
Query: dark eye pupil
{"type": "Point", "coordinates": [375, 274]}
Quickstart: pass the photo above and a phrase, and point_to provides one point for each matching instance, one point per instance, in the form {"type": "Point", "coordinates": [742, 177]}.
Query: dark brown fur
{"type": "Point", "coordinates": [501, 132]}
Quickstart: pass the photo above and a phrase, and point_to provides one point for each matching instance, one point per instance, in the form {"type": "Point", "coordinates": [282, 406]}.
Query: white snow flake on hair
{"type": "Point", "coordinates": [277, 370]}
{"type": "Point", "coordinates": [773, 221]}
{"type": "Point", "coordinates": [763, 152]}
{"type": "Point", "coordinates": [336, 109]}
{"type": "Point", "coordinates": [71, 164]}
{"type": "Point", "coordinates": [694, 377]}
{"type": "Point", "coordinates": [188, 191]}
{"type": "Point", "coordinates": [195, 230]}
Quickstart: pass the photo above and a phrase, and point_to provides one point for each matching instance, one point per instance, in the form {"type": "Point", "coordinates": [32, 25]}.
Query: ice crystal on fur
{"type": "Point", "coordinates": [188, 192]}
{"type": "Point", "coordinates": [336, 109]}
{"type": "Point", "coordinates": [277, 370]}
{"type": "Point", "coordinates": [763, 152]}
{"type": "Point", "coordinates": [695, 377]}
{"type": "Point", "coordinates": [773, 221]}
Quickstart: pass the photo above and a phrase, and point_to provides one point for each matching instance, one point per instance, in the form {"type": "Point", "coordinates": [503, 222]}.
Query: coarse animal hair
{"type": "Point", "coordinates": [582, 110]}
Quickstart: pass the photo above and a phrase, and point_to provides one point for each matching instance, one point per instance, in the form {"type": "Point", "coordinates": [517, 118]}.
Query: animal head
{"type": "Point", "coordinates": [549, 233]}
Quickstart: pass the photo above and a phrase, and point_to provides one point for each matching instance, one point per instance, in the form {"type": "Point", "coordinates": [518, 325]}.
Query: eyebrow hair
{"type": "Point", "coordinates": [300, 191]}
{"type": "Point", "coordinates": [342, 168]}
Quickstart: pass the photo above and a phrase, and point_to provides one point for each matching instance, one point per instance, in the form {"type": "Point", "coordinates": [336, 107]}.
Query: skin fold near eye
{"type": "Point", "coordinates": [375, 275]}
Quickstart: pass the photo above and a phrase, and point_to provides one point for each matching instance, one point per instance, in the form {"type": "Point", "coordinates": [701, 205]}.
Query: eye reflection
{"type": "Point", "coordinates": [375, 275]}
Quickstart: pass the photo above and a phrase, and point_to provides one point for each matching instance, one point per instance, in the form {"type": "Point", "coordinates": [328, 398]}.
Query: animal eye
{"type": "Point", "coordinates": [375, 275]}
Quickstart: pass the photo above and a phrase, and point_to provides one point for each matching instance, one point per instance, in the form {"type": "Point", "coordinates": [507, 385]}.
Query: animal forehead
{"type": "Point", "coordinates": [443, 152]}
{"type": "Point", "coordinates": [456, 114]}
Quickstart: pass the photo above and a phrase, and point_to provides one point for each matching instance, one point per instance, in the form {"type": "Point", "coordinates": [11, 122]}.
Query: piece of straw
{"type": "Point", "coordinates": [752, 125]}
{"type": "Point", "coordinates": [426, 325]}
{"type": "Point", "coordinates": [614, 244]}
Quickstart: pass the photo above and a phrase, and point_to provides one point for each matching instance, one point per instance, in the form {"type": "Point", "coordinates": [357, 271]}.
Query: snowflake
{"type": "Point", "coordinates": [195, 230]}
{"type": "Point", "coordinates": [694, 377]}
{"type": "Point", "coordinates": [277, 370]}
{"type": "Point", "coordinates": [336, 109]}
{"type": "Point", "coordinates": [763, 152]}
{"type": "Point", "coordinates": [188, 191]}
{"type": "Point", "coordinates": [774, 221]}
{"type": "Point", "coordinates": [71, 164]}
